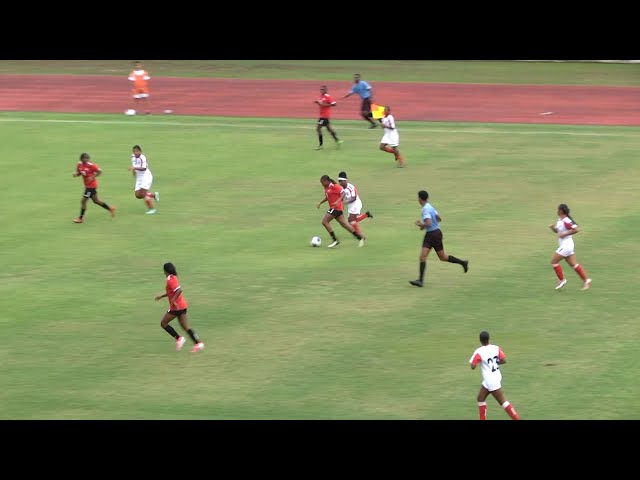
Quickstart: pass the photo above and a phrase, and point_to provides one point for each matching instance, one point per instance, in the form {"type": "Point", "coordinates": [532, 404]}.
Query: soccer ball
{"type": "Point", "coordinates": [316, 241]}
{"type": "Point", "coordinates": [131, 111]}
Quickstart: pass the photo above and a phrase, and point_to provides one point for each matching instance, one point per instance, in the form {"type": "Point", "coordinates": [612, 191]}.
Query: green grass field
{"type": "Point", "coordinates": [447, 71]}
{"type": "Point", "coordinates": [295, 332]}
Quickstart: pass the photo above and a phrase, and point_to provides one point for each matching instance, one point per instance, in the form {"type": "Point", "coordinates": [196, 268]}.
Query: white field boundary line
{"type": "Point", "coordinates": [408, 129]}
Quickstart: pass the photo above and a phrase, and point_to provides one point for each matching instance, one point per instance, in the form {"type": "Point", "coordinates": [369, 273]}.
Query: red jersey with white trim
{"type": "Point", "coordinates": [325, 110]}
{"type": "Point", "coordinates": [88, 171]}
{"type": "Point", "coordinates": [333, 193]}
{"type": "Point", "coordinates": [172, 285]}
{"type": "Point", "coordinates": [487, 356]}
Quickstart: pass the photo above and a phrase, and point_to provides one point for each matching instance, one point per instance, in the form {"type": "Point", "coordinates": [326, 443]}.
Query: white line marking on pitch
{"type": "Point", "coordinates": [404, 128]}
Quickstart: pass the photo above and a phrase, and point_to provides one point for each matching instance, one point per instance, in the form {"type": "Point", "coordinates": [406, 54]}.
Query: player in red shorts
{"type": "Point", "coordinates": [334, 194]}
{"type": "Point", "coordinates": [177, 308]}
{"type": "Point", "coordinates": [89, 172]}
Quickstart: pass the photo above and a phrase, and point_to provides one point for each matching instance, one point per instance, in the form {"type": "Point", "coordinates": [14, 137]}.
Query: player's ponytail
{"type": "Point", "coordinates": [327, 178]}
{"type": "Point", "coordinates": [564, 208]}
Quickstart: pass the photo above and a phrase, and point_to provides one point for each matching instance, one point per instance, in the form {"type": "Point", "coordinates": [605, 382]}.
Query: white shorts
{"type": "Point", "coordinates": [355, 207]}
{"type": "Point", "coordinates": [491, 386]}
{"type": "Point", "coordinates": [391, 138]}
{"type": "Point", "coordinates": [565, 250]}
{"type": "Point", "coordinates": [144, 183]}
{"type": "Point", "coordinates": [141, 95]}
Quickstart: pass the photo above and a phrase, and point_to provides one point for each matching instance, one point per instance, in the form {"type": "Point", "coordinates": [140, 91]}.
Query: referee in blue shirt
{"type": "Point", "coordinates": [430, 221]}
{"type": "Point", "coordinates": [364, 90]}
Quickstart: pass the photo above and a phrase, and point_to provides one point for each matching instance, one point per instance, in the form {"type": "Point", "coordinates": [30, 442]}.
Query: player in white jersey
{"type": "Point", "coordinates": [565, 228]}
{"type": "Point", "coordinates": [490, 357]}
{"type": "Point", "coordinates": [354, 203]}
{"type": "Point", "coordinates": [144, 179]}
{"type": "Point", "coordinates": [391, 139]}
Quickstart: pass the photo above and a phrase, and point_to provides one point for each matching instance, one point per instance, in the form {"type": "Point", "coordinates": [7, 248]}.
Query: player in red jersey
{"type": "Point", "coordinates": [326, 103]}
{"type": "Point", "coordinates": [334, 194]}
{"type": "Point", "coordinates": [177, 308]}
{"type": "Point", "coordinates": [89, 172]}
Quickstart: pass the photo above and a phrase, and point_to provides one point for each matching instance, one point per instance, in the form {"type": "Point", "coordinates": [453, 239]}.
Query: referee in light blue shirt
{"type": "Point", "coordinates": [364, 90]}
{"type": "Point", "coordinates": [430, 221]}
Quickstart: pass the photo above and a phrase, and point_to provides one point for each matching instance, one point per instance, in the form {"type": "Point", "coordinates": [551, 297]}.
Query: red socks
{"type": "Point", "coordinates": [482, 409]}
{"type": "Point", "coordinates": [580, 271]}
{"type": "Point", "coordinates": [511, 411]}
{"type": "Point", "coordinates": [578, 268]}
{"type": "Point", "coordinates": [558, 270]}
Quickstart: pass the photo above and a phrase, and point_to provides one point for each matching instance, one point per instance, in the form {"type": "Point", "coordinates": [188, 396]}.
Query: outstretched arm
{"type": "Point", "coordinates": [321, 202]}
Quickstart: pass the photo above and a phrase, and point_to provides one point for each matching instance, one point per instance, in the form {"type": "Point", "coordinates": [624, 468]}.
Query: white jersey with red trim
{"type": "Point", "coordinates": [141, 162]}
{"type": "Point", "coordinates": [351, 192]}
{"type": "Point", "coordinates": [487, 356]}
{"type": "Point", "coordinates": [564, 225]}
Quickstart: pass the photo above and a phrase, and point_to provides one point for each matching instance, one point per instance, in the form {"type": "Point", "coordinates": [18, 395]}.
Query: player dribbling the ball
{"type": "Point", "coordinates": [334, 194]}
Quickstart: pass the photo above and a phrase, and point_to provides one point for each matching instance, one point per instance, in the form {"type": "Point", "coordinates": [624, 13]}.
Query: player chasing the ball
{"type": "Point", "coordinates": [334, 194]}
{"type": "Point", "coordinates": [354, 203]}
{"type": "Point", "coordinates": [144, 179]}
{"type": "Point", "coordinates": [89, 172]}
{"type": "Point", "coordinates": [177, 309]}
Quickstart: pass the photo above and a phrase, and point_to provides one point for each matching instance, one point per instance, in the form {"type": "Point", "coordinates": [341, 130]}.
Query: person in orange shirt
{"type": "Point", "coordinates": [89, 172]}
{"type": "Point", "coordinates": [177, 308]}
{"type": "Point", "coordinates": [140, 78]}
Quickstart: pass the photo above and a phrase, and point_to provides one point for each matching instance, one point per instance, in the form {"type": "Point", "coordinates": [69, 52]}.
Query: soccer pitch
{"type": "Point", "coordinates": [295, 332]}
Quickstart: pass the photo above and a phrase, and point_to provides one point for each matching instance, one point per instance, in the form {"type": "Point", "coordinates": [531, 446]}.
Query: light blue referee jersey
{"type": "Point", "coordinates": [429, 212]}
{"type": "Point", "coordinates": [362, 88]}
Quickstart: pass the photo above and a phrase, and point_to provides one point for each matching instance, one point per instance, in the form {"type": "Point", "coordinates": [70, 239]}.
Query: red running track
{"type": "Point", "coordinates": [572, 105]}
